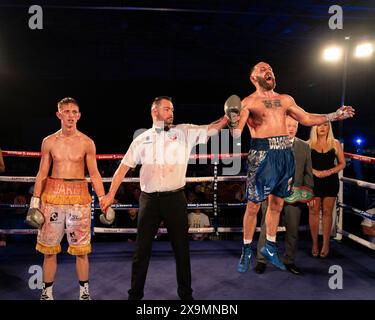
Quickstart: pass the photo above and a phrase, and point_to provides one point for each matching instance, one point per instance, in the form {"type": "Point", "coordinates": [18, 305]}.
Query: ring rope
{"type": "Point", "coordinates": [208, 206]}
{"type": "Point", "coordinates": [359, 183]}
{"type": "Point", "coordinates": [203, 206]}
{"type": "Point", "coordinates": [357, 239]}
{"type": "Point", "coordinates": [358, 212]}
{"type": "Point", "coordinates": [118, 156]}
{"type": "Point", "coordinates": [191, 230]}
{"type": "Point", "coordinates": [28, 179]}
{"type": "Point", "coordinates": [134, 230]}
{"type": "Point", "coordinates": [18, 231]}
{"type": "Point", "coordinates": [188, 179]}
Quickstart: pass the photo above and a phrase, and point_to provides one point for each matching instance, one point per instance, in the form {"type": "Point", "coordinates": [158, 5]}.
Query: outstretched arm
{"type": "Point", "coordinates": [313, 119]}
{"type": "Point", "coordinates": [96, 179]}
{"type": "Point", "coordinates": [217, 125]}
{"type": "Point", "coordinates": [119, 175]}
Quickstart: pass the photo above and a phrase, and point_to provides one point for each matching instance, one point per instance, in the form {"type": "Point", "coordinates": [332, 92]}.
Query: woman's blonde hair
{"type": "Point", "coordinates": [314, 137]}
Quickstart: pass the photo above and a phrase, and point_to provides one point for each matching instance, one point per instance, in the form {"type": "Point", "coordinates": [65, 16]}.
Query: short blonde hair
{"type": "Point", "coordinates": [66, 101]}
{"type": "Point", "coordinates": [314, 137]}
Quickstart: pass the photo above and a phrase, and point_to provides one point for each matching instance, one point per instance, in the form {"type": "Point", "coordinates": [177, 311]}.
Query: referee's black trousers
{"type": "Point", "coordinates": [153, 208]}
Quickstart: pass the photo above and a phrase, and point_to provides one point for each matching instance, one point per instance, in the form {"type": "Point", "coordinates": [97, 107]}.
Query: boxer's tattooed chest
{"type": "Point", "coordinates": [272, 103]}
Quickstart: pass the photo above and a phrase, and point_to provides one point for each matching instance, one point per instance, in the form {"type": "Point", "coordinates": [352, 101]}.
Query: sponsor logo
{"type": "Point", "coordinates": [271, 254]}
{"type": "Point", "coordinates": [72, 236]}
{"type": "Point", "coordinates": [54, 217]}
{"type": "Point", "coordinates": [74, 217]}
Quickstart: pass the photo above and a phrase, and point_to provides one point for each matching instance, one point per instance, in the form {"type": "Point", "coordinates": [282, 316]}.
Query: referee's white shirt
{"type": "Point", "coordinates": [164, 155]}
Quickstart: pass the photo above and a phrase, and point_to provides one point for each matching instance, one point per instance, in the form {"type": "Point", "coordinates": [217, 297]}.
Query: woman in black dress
{"type": "Point", "coordinates": [325, 149]}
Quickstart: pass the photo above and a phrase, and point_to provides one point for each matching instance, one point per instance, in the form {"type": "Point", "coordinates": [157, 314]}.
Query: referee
{"type": "Point", "coordinates": [163, 151]}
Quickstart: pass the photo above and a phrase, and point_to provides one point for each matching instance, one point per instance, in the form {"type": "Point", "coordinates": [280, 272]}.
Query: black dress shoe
{"type": "Point", "coordinates": [260, 267]}
{"type": "Point", "coordinates": [291, 267]}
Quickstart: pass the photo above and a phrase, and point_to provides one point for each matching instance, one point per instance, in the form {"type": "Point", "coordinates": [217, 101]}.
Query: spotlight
{"type": "Point", "coordinates": [364, 50]}
{"type": "Point", "coordinates": [358, 141]}
{"type": "Point", "coordinates": [332, 54]}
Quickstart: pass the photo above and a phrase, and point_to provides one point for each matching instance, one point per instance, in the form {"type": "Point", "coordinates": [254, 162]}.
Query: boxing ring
{"type": "Point", "coordinates": [213, 262]}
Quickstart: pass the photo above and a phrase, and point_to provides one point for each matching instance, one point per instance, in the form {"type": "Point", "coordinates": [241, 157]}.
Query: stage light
{"type": "Point", "coordinates": [358, 141]}
{"type": "Point", "coordinates": [364, 50]}
{"type": "Point", "coordinates": [332, 54]}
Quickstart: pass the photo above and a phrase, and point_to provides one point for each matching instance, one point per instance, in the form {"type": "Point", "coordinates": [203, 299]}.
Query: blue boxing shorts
{"type": "Point", "coordinates": [270, 168]}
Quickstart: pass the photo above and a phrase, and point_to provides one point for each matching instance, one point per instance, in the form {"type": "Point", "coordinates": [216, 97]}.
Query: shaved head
{"type": "Point", "coordinates": [256, 67]}
{"type": "Point", "coordinates": [261, 75]}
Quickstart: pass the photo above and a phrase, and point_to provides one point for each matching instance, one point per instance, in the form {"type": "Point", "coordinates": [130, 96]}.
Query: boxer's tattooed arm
{"type": "Point", "coordinates": [272, 103]}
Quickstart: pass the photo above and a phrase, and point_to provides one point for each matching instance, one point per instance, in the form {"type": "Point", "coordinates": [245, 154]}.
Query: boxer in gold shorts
{"type": "Point", "coordinates": [62, 200]}
{"type": "Point", "coordinates": [65, 202]}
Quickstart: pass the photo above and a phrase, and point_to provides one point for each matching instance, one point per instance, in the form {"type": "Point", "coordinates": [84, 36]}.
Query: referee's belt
{"type": "Point", "coordinates": [164, 193]}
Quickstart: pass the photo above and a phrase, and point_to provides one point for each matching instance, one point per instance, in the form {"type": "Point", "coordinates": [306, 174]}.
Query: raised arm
{"type": "Point", "coordinates": [217, 125]}
{"type": "Point", "coordinates": [244, 115]}
{"type": "Point", "coordinates": [44, 166]}
{"type": "Point", "coordinates": [237, 112]}
{"type": "Point", "coordinates": [314, 119]}
{"type": "Point", "coordinates": [96, 179]}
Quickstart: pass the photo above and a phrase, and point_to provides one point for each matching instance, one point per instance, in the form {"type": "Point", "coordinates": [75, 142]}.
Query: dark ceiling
{"type": "Point", "coordinates": [115, 56]}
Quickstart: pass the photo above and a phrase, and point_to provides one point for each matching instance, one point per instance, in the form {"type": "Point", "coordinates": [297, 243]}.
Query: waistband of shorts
{"type": "Point", "coordinates": [164, 193]}
{"type": "Point", "coordinates": [271, 143]}
{"type": "Point", "coordinates": [66, 191]}
{"type": "Point", "coordinates": [67, 179]}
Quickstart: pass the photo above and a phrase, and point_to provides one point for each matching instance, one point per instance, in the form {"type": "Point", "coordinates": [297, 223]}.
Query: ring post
{"type": "Point", "coordinates": [216, 218]}
{"type": "Point", "coordinates": [339, 209]}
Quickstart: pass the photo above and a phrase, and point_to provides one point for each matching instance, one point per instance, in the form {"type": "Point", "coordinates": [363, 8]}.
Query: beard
{"type": "Point", "coordinates": [265, 85]}
{"type": "Point", "coordinates": [168, 122]}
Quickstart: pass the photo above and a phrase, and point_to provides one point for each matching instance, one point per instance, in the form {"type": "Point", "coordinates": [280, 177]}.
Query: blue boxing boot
{"type": "Point", "coordinates": [243, 264]}
{"type": "Point", "coordinates": [269, 251]}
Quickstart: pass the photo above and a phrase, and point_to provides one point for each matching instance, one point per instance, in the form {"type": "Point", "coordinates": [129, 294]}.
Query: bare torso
{"type": "Point", "coordinates": [68, 155]}
{"type": "Point", "coordinates": [267, 115]}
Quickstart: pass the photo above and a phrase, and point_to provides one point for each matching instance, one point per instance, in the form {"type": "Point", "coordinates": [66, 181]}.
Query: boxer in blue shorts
{"type": "Point", "coordinates": [270, 168]}
{"type": "Point", "coordinates": [271, 160]}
